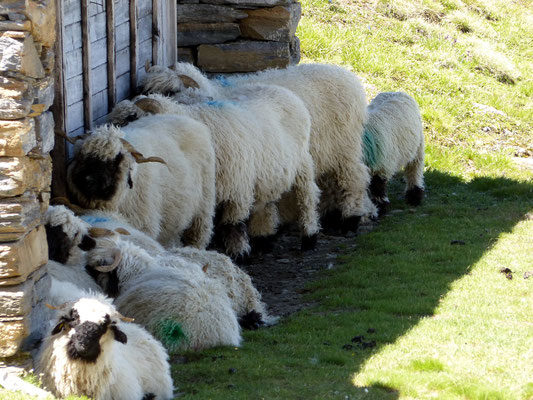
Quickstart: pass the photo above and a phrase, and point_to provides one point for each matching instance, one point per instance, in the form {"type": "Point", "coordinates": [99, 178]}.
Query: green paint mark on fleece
{"type": "Point", "coordinates": [370, 148]}
{"type": "Point", "coordinates": [171, 334]}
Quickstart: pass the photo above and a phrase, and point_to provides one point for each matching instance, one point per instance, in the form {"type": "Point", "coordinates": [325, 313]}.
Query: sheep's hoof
{"type": "Point", "coordinates": [262, 244]}
{"type": "Point", "coordinates": [251, 321]}
{"type": "Point", "coordinates": [383, 207]}
{"type": "Point", "coordinates": [331, 222]}
{"type": "Point", "coordinates": [309, 242]}
{"type": "Point", "coordinates": [414, 196]}
{"type": "Point", "coordinates": [350, 224]}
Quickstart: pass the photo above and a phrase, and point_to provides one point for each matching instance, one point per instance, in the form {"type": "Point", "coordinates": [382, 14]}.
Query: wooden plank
{"type": "Point", "coordinates": [170, 56]}
{"type": "Point", "coordinates": [100, 104]}
{"type": "Point", "coordinates": [98, 26]}
{"type": "Point", "coordinates": [73, 63]}
{"type": "Point", "coordinates": [156, 33]}
{"type": "Point", "coordinates": [144, 28]}
{"type": "Point", "coordinates": [96, 7]}
{"type": "Point", "coordinates": [144, 8]}
{"type": "Point", "coordinates": [111, 49]}
{"type": "Point", "coordinates": [123, 86]}
{"type": "Point", "coordinates": [86, 62]}
{"type": "Point", "coordinates": [145, 54]}
{"type": "Point", "coordinates": [122, 36]}
{"type": "Point", "coordinates": [123, 61]}
{"type": "Point", "coordinates": [122, 12]}
{"type": "Point", "coordinates": [74, 89]}
{"type": "Point", "coordinates": [72, 38]}
{"type": "Point", "coordinates": [98, 53]}
{"type": "Point", "coordinates": [59, 152]}
{"type": "Point", "coordinates": [133, 46]}
{"type": "Point", "coordinates": [75, 117]}
{"type": "Point", "coordinates": [71, 10]}
{"type": "Point", "coordinates": [98, 79]}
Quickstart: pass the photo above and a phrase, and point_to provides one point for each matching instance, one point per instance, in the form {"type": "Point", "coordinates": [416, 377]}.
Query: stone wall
{"type": "Point", "coordinates": [238, 35]}
{"type": "Point", "coordinates": [27, 38]}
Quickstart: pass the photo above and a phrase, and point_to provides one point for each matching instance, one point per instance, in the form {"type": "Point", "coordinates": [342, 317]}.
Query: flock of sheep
{"type": "Point", "coordinates": [226, 161]}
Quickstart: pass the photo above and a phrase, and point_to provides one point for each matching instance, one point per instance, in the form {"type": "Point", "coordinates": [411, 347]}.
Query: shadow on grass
{"type": "Point", "coordinates": [396, 276]}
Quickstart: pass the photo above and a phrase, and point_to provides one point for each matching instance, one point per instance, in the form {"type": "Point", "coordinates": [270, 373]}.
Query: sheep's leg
{"type": "Point", "coordinates": [262, 226]}
{"type": "Point", "coordinates": [307, 198]}
{"type": "Point", "coordinates": [352, 179]}
{"type": "Point", "coordinates": [199, 233]}
{"type": "Point", "coordinates": [233, 230]}
{"type": "Point", "coordinates": [414, 177]}
{"type": "Point", "coordinates": [378, 193]}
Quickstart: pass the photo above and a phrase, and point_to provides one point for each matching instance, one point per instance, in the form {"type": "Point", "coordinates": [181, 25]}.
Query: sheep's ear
{"type": "Point", "coordinates": [119, 335]}
{"type": "Point", "coordinates": [87, 243]}
{"type": "Point", "coordinates": [188, 82]}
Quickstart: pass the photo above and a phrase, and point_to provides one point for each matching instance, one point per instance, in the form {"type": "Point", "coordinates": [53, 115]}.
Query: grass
{"type": "Point", "coordinates": [425, 286]}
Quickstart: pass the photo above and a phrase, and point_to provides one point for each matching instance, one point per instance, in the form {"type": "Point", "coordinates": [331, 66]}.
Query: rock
{"type": "Point", "coordinates": [18, 216]}
{"type": "Point", "coordinates": [203, 13]}
{"type": "Point", "coordinates": [15, 25]}
{"type": "Point", "coordinates": [249, 3]}
{"type": "Point", "coordinates": [48, 58]}
{"type": "Point", "coordinates": [20, 259]}
{"type": "Point", "coordinates": [20, 174]}
{"type": "Point", "coordinates": [186, 54]}
{"type": "Point", "coordinates": [294, 50]}
{"type": "Point", "coordinates": [193, 34]}
{"type": "Point", "coordinates": [19, 54]}
{"type": "Point", "coordinates": [277, 23]}
{"type": "Point", "coordinates": [16, 300]}
{"type": "Point", "coordinates": [44, 131]}
{"type": "Point", "coordinates": [44, 92]}
{"type": "Point", "coordinates": [12, 332]}
{"type": "Point", "coordinates": [243, 56]}
{"type": "Point", "coordinates": [43, 20]}
{"type": "Point", "coordinates": [16, 97]}
{"type": "Point", "coordinates": [17, 137]}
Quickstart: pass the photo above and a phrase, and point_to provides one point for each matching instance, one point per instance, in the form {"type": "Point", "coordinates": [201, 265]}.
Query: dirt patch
{"type": "Point", "coordinates": [282, 275]}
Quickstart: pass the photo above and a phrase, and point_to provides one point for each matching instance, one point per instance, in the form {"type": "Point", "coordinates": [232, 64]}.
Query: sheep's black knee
{"type": "Point", "coordinates": [331, 222]}
{"type": "Point", "coordinates": [383, 207]}
{"type": "Point", "coordinates": [378, 187]}
{"type": "Point", "coordinates": [414, 196]}
{"type": "Point", "coordinates": [251, 321]}
{"type": "Point", "coordinates": [263, 244]}
{"type": "Point", "coordinates": [350, 224]}
{"type": "Point", "coordinates": [309, 242]}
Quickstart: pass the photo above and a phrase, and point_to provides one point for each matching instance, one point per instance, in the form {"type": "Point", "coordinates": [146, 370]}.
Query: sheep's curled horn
{"type": "Point", "coordinates": [150, 105]}
{"type": "Point", "coordinates": [137, 155]}
{"type": "Point", "coordinates": [188, 82]}
{"type": "Point", "coordinates": [71, 140]}
{"type": "Point", "coordinates": [108, 268]}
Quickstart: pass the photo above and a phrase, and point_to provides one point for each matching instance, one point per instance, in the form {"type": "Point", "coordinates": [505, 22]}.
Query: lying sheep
{"type": "Point", "coordinates": [182, 307]}
{"type": "Point", "coordinates": [337, 105]}
{"type": "Point", "coordinates": [394, 139]}
{"type": "Point", "coordinates": [91, 351]}
{"type": "Point", "coordinates": [261, 139]}
{"type": "Point", "coordinates": [244, 297]}
{"type": "Point", "coordinates": [169, 202]}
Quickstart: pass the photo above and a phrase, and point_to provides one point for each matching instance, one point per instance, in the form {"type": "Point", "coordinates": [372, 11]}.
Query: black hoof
{"type": "Point", "coordinates": [414, 196]}
{"type": "Point", "coordinates": [251, 321]}
{"type": "Point", "coordinates": [383, 207]}
{"type": "Point", "coordinates": [350, 224]}
{"type": "Point", "coordinates": [309, 242]}
{"type": "Point", "coordinates": [331, 222]}
{"type": "Point", "coordinates": [242, 259]}
{"type": "Point", "coordinates": [262, 244]}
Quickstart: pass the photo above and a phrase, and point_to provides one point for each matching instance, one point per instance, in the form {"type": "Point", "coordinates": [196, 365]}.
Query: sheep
{"type": "Point", "coordinates": [336, 101]}
{"type": "Point", "coordinates": [261, 139]}
{"type": "Point", "coordinates": [394, 139]}
{"type": "Point", "coordinates": [182, 307]}
{"type": "Point", "coordinates": [171, 203]}
{"type": "Point", "coordinates": [91, 351]}
{"type": "Point", "coordinates": [244, 297]}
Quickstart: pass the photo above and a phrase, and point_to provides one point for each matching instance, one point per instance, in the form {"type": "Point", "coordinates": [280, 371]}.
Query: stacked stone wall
{"type": "Point", "coordinates": [27, 38]}
{"type": "Point", "coordinates": [225, 36]}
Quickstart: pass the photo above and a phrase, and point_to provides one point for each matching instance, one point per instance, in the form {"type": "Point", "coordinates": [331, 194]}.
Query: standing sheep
{"type": "Point", "coordinates": [91, 352]}
{"type": "Point", "coordinates": [394, 139]}
{"type": "Point", "coordinates": [336, 101]}
{"type": "Point", "coordinates": [169, 202]}
{"type": "Point", "coordinates": [261, 139]}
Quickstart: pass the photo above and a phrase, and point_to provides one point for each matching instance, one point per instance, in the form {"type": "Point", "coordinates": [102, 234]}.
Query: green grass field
{"type": "Point", "coordinates": [420, 310]}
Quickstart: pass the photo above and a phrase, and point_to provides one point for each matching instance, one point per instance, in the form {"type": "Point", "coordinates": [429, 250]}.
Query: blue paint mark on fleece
{"type": "Point", "coordinates": [219, 104]}
{"type": "Point", "coordinates": [93, 220]}
{"type": "Point", "coordinates": [223, 81]}
{"type": "Point", "coordinates": [370, 148]}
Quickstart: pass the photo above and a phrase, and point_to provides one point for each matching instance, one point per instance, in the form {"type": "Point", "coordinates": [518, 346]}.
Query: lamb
{"type": "Point", "coordinates": [336, 101]}
{"type": "Point", "coordinates": [172, 203]}
{"type": "Point", "coordinates": [261, 139]}
{"type": "Point", "coordinates": [244, 297]}
{"type": "Point", "coordinates": [182, 307]}
{"type": "Point", "coordinates": [91, 351]}
{"type": "Point", "coordinates": [394, 139]}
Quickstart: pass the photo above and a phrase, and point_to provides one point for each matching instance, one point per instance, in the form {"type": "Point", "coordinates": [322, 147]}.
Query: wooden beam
{"type": "Point", "coordinates": [59, 152]}
{"type": "Point", "coordinates": [156, 32]}
{"type": "Point", "coordinates": [86, 62]}
{"type": "Point", "coordinates": [111, 56]}
{"type": "Point", "coordinates": [133, 47]}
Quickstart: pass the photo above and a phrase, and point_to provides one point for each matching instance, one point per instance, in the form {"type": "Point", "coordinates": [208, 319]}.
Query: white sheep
{"type": "Point", "coordinates": [337, 105]}
{"type": "Point", "coordinates": [182, 307]}
{"type": "Point", "coordinates": [261, 139]}
{"type": "Point", "coordinates": [90, 351]}
{"type": "Point", "coordinates": [394, 139]}
{"type": "Point", "coordinates": [169, 202]}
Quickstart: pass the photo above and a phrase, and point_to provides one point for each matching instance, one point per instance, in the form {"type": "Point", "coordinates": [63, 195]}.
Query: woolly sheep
{"type": "Point", "coordinates": [91, 352]}
{"type": "Point", "coordinates": [337, 105]}
{"type": "Point", "coordinates": [169, 202]}
{"type": "Point", "coordinates": [261, 139]}
{"type": "Point", "coordinates": [182, 307]}
{"type": "Point", "coordinates": [394, 139]}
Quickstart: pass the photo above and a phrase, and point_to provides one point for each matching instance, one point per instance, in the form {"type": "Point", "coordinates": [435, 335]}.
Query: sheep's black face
{"type": "Point", "coordinates": [108, 281]}
{"type": "Point", "coordinates": [97, 179]}
{"type": "Point", "coordinates": [58, 243]}
{"type": "Point", "coordinates": [84, 344]}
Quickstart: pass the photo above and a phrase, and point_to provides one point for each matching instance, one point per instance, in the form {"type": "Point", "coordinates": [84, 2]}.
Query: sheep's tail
{"type": "Point", "coordinates": [171, 334]}
{"type": "Point", "coordinates": [370, 147]}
